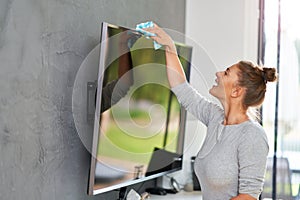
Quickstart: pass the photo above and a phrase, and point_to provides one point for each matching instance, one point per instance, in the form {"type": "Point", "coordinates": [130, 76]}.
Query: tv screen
{"type": "Point", "coordinates": [138, 122]}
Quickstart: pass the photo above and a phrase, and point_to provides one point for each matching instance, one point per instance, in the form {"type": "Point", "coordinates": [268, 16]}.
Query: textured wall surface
{"type": "Point", "coordinates": [42, 44]}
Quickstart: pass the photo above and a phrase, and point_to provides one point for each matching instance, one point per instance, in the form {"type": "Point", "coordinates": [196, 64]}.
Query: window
{"type": "Point", "coordinates": [288, 108]}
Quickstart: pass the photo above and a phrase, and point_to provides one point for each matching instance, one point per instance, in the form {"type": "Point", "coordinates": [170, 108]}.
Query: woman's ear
{"type": "Point", "coordinates": [237, 91]}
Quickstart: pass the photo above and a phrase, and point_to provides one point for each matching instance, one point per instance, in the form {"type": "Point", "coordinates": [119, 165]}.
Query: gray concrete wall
{"type": "Point", "coordinates": [42, 44]}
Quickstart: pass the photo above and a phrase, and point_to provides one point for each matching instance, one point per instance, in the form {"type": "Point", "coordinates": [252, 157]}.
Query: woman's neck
{"type": "Point", "coordinates": [228, 120]}
{"type": "Point", "coordinates": [234, 114]}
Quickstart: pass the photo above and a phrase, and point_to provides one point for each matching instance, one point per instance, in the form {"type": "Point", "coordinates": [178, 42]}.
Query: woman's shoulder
{"type": "Point", "coordinates": [254, 141]}
{"type": "Point", "coordinates": [253, 124]}
{"type": "Point", "coordinates": [254, 131]}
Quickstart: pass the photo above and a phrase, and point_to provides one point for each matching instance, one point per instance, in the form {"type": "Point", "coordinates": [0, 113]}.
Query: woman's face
{"type": "Point", "coordinates": [225, 83]}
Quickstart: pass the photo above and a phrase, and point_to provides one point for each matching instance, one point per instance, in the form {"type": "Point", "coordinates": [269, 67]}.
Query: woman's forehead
{"type": "Point", "coordinates": [234, 67]}
{"type": "Point", "coordinates": [233, 70]}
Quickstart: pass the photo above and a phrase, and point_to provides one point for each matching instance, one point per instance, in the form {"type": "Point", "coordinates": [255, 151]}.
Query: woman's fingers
{"type": "Point", "coordinates": [160, 35]}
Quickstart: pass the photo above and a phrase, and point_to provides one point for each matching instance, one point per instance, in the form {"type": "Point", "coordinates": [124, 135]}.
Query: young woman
{"type": "Point", "coordinates": [232, 161]}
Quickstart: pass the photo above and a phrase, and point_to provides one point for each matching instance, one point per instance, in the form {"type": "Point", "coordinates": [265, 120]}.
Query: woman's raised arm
{"type": "Point", "coordinates": [175, 72]}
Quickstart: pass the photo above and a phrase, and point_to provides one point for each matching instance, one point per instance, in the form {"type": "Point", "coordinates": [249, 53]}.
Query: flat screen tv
{"type": "Point", "coordinates": [138, 122]}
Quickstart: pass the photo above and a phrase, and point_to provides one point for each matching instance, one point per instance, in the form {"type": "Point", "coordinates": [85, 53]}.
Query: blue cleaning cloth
{"type": "Point", "coordinates": [149, 24]}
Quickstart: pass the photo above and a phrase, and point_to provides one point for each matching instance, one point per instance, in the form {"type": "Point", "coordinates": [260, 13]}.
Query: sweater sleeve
{"type": "Point", "coordinates": [195, 103]}
{"type": "Point", "coordinates": [252, 155]}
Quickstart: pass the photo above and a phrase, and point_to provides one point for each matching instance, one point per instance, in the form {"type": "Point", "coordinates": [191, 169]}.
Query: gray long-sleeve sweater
{"type": "Point", "coordinates": [232, 159]}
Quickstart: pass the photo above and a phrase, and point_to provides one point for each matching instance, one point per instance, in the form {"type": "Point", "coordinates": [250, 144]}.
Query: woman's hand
{"type": "Point", "coordinates": [175, 72]}
{"type": "Point", "coordinates": [162, 37]}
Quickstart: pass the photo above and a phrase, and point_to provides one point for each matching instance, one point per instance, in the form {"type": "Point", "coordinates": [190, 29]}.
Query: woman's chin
{"type": "Point", "coordinates": [214, 91]}
{"type": "Point", "coordinates": [211, 91]}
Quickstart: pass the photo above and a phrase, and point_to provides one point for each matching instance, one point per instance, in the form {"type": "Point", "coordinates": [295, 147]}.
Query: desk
{"type": "Point", "coordinates": [196, 195]}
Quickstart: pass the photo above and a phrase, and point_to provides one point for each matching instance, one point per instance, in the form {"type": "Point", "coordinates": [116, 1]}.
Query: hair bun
{"type": "Point", "coordinates": [269, 74]}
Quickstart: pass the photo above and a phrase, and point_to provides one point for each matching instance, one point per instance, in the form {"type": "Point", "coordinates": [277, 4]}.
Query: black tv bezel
{"type": "Point", "coordinates": [95, 138]}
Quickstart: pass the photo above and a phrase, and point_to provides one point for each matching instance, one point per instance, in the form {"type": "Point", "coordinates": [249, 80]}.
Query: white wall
{"type": "Point", "coordinates": [226, 29]}
{"type": "Point", "coordinates": [222, 33]}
